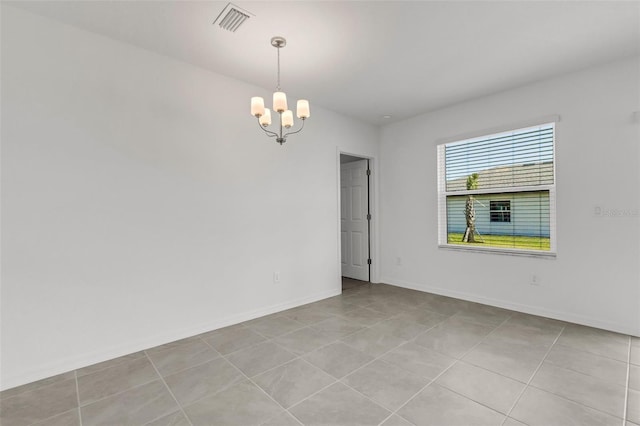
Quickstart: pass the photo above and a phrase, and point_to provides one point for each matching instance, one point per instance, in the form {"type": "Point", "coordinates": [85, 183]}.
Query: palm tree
{"type": "Point", "coordinates": [470, 211]}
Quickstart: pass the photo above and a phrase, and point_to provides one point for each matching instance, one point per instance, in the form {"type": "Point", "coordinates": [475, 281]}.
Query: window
{"type": "Point", "coordinates": [497, 192]}
{"type": "Point", "coordinates": [500, 211]}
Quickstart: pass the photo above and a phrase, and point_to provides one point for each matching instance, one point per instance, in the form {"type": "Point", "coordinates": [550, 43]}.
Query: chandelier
{"type": "Point", "coordinates": [279, 105]}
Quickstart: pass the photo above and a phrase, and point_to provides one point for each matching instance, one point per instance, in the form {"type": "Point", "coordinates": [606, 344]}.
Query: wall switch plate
{"type": "Point", "coordinates": [276, 277]}
{"type": "Point", "coordinates": [535, 279]}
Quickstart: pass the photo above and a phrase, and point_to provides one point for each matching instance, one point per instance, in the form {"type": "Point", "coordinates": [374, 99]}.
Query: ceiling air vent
{"type": "Point", "coordinates": [232, 17]}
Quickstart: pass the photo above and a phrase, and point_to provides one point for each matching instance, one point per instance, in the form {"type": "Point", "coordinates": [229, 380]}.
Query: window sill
{"type": "Point", "coordinates": [497, 250]}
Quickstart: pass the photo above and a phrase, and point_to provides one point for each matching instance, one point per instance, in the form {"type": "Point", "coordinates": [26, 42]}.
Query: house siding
{"type": "Point", "coordinates": [529, 214]}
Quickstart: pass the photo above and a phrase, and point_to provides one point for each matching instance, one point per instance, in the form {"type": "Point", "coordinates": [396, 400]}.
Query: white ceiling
{"type": "Point", "coordinates": [367, 59]}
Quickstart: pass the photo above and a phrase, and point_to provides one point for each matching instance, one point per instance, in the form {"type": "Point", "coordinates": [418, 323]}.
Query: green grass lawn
{"type": "Point", "coordinates": [526, 243]}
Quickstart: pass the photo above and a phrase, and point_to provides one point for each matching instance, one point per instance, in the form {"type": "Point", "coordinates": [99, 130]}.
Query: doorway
{"type": "Point", "coordinates": [355, 220]}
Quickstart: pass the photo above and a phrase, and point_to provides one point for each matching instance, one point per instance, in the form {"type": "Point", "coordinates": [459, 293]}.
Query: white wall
{"type": "Point", "coordinates": [142, 204]}
{"type": "Point", "coordinates": [595, 279]}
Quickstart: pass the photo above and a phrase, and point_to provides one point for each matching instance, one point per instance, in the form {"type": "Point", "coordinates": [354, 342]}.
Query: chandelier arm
{"type": "Point", "coordinates": [268, 132]}
{"type": "Point", "coordinates": [297, 131]}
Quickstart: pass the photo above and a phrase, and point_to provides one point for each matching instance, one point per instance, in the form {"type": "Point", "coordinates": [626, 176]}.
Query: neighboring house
{"type": "Point", "coordinates": [511, 213]}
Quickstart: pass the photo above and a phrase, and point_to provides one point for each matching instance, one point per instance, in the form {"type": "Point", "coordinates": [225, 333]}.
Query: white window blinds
{"type": "Point", "coordinates": [497, 191]}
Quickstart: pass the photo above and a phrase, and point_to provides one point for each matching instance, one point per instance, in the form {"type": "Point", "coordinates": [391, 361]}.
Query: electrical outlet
{"type": "Point", "coordinates": [398, 261]}
{"type": "Point", "coordinates": [276, 277]}
{"type": "Point", "coordinates": [535, 280]}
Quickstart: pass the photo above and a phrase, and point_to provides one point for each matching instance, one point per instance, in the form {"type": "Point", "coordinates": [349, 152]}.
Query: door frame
{"type": "Point", "coordinates": [373, 208]}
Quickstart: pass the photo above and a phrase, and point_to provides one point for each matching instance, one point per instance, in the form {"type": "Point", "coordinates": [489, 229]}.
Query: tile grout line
{"type": "Point", "coordinates": [272, 339]}
{"type": "Point", "coordinates": [378, 358]}
{"type": "Point", "coordinates": [626, 391]}
{"type": "Point", "coordinates": [223, 388]}
{"type": "Point", "coordinates": [533, 375]}
{"type": "Point", "coordinates": [457, 360]}
{"type": "Point", "coordinates": [395, 412]}
{"type": "Point", "coordinates": [76, 377]}
{"type": "Point", "coordinates": [4, 398]}
{"type": "Point", "coordinates": [336, 380]}
{"type": "Point", "coordinates": [75, 374]}
{"type": "Point", "coordinates": [584, 351]}
{"type": "Point", "coordinates": [266, 339]}
{"type": "Point", "coordinates": [168, 389]}
{"type": "Point", "coordinates": [248, 378]}
{"type": "Point", "coordinates": [197, 364]}
{"type": "Point", "coordinates": [339, 380]}
{"type": "Point", "coordinates": [296, 357]}
{"type": "Point", "coordinates": [252, 345]}
{"type": "Point", "coordinates": [111, 366]}
{"type": "Point", "coordinates": [301, 356]}
{"type": "Point", "coordinates": [592, 354]}
{"type": "Point", "coordinates": [102, 398]}
{"type": "Point", "coordinates": [573, 401]}
{"type": "Point", "coordinates": [277, 315]}
{"type": "Point", "coordinates": [581, 404]}
{"type": "Point", "coordinates": [471, 399]}
{"type": "Point", "coordinates": [479, 367]}
{"type": "Point", "coordinates": [111, 395]}
{"type": "Point", "coordinates": [262, 390]}
{"type": "Point", "coordinates": [309, 325]}
{"type": "Point", "coordinates": [309, 397]}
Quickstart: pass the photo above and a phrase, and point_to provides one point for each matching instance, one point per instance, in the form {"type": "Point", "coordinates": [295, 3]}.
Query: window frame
{"type": "Point", "coordinates": [500, 212]}
{"type": "Point", "coordinates": [443, 193]}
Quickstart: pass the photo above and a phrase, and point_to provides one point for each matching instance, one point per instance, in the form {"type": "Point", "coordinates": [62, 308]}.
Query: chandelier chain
{"type": "Point", "coordinates": [279, 70]}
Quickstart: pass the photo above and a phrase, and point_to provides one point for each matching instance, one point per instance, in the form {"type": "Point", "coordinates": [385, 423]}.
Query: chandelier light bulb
{"type": "Point", "coordinates": [279, 101]}
{"type": "Point", "coordinates": [287, 118]}
{"type": "Point", "coordinates": [302, 110]}
{"type": "Point", "coordinates": [265, 120]}
{"type": "Point", "coordinates": [257, 106]}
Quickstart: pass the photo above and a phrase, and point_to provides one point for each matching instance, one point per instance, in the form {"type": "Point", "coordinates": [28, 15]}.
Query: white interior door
{"type": "Point", "coordinates": [354, 233]}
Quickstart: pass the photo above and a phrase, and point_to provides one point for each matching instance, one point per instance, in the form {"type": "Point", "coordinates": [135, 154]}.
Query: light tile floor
{"type": "Point", "coordinates": [376, 355]}
{"type": "Point", "coordinates": [350, 283]}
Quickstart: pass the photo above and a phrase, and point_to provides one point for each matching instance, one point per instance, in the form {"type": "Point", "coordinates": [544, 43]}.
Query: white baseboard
{"type": "Point", "coordinates": [83, 360]}
{"type": "Point", "coordinates": [527, 309]}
